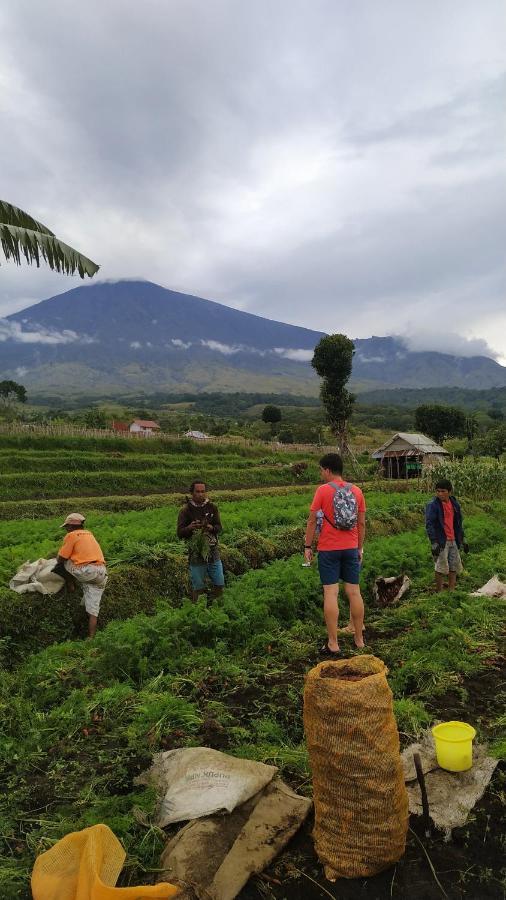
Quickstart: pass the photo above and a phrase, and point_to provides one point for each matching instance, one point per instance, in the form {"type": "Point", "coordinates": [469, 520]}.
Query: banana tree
{"type": "Point", "coordinates": [21, 234]}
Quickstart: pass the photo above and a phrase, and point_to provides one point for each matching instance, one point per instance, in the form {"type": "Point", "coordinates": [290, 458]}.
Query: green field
{"type": "Point", "coordinates": [82, 719]}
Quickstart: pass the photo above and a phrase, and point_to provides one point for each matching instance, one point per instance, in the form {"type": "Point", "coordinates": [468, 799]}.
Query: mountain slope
{"type": "Point", "coordinates": [134, 336]}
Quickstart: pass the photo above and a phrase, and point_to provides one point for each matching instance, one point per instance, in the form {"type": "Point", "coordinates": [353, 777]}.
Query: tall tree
{"type": "Point", "coordinates": [11, 395]}
{"type": "Point", "coordinates": [332, 360]}
{"type": "Point", "coordinates": [11, 392]}
{"type": "Point", "coordinates": [440, 422]}
{"type": "Point", "coordinates": [271, 415]}
{"type": "Point", "coordinates": [20, 234]}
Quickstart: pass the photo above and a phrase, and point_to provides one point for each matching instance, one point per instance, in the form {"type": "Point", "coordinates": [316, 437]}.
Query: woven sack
{"type": "Point", "coordinates": [361, 804]}
{"type": "Point", "coordinates": [85, 865]}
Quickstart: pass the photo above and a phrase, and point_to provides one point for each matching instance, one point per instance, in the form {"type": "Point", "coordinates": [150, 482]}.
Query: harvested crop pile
{"type": "Point", "coordinates": [361, 805]}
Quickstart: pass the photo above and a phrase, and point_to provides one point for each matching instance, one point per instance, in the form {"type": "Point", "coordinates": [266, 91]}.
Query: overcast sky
{"type": "Point", "coordinates": [337, 164]}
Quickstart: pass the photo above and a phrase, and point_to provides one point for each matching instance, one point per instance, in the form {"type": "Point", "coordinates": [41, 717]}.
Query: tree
{"type": "Point", "coordinates": [21, 234]}
{"type": "Point", "coordinates": [95, 418]}
{"type": "Point", "coordinates": [271, 415]}
{"type": "Point", "coordinates": [441, 422]}
{"type": "Point", "coordinates": [332, 360]}
{"type": "Point", "coordinates": [492, 443]}
{"type": "Point", "coordinates": [11, 392]}
{"type": "Point", "coordinates": [286, 436]}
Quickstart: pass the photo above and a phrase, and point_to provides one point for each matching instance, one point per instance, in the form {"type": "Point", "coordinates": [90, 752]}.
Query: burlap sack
{"type": "Point", "coordinates": [361, 804]}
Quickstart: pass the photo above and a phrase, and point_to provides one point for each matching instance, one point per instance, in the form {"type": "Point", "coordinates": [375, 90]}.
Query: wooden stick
{"type": "Point", "coordinates": [423, 790]}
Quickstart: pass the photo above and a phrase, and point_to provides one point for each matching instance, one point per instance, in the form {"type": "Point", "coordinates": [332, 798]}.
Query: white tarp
{"type": "Point", "coordinates": [451, 795]}
{"type": "Point", "coordinates": [37, 577]}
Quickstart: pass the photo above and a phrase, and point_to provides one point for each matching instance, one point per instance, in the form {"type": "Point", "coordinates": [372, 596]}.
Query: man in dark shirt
{"type": "Point", "coordinates": [199, 523]}
{"type": "Point", "coordinates": [443, 523]}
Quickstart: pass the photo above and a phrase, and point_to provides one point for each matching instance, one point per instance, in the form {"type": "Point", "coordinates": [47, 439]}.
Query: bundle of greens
{"type": "Point", "coordinates": [199, 545]}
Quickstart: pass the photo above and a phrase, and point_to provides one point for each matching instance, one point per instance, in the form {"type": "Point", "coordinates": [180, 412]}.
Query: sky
{"type": "Point", "coordinates": [337, 164]}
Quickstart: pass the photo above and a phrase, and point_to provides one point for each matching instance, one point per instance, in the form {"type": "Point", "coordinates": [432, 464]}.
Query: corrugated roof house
{"type": "Point", "coordinates": [144, 426]}
{"type": "Point", "coordinates": [404, 455]}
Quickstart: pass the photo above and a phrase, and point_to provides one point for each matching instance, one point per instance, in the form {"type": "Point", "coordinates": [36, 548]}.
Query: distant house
{"type": "Point", "coordinates": [404, 455]}
{"type": "Point", "coordinates": [197, 435]}
{"type": "Point", "coordinates": [120, 426]}
{"type": "Point", "coordinates": [144, 427]}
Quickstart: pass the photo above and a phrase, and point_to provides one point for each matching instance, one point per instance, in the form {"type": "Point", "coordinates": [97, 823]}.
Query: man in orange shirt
{"type": "Point", "coordinates": [338, 510]}
{"type": "Point", "coordinates": [82, 557]}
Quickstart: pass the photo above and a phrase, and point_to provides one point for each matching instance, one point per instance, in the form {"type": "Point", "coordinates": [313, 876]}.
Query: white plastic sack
{"type": "Point", "coordinates": [37, 577]}
{"type": "Point", "coordinates": [197, 781]}
{"type": "Point", "coordinates": [493, 588]}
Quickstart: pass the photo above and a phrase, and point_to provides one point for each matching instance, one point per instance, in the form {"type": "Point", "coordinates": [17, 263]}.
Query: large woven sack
{"type": "Point", "coordinates": [361, 804]}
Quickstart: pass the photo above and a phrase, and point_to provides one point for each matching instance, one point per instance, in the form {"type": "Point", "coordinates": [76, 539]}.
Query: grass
{"type": "Point", "coordinates": [81, 719]}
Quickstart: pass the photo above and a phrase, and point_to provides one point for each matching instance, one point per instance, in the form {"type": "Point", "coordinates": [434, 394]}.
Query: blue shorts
{"type": "Point", "coordinates": [213, 569]}
{"type": "Point", "coordinates": [339, 565]}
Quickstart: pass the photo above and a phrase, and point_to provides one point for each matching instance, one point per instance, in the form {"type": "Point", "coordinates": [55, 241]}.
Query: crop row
{"type": "Point", "coordinates": [142, 572]}
{"type": "Point", "coordinates": [23, 539]}
{"type": "Point", "coordinates": [25, 463]}
{"type": "Point", "coordinates": [167, 445]}
{"type": "Point", "coordinates": [84, 483]}
{"type": "Point", "coordinates": [42, 509]}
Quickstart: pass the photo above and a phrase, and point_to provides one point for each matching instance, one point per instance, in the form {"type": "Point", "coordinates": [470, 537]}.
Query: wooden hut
{"type": "Point", "coordinates": [404, 455]}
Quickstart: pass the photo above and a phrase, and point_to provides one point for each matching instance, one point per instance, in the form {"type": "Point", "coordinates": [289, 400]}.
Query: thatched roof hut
{"type": "Point", "coordinates": [404, 455]}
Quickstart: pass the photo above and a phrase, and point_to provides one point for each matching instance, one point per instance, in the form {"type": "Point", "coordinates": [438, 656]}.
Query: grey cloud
{"type": "Point", "coordinates": [309, 162]}
{"type": "Point", "coordinates": [13, 331]}
{"type": "Point", "coordinates": [226, 349]}
{"type": "Point", "coordinates": [447, 342]}
{"type": "Point", "coordinates": [361, 357]}
{"type": "Point", "coordinates": [298, 355]}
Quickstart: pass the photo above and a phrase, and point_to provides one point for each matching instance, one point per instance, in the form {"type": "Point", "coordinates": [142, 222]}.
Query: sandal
{"type": "Point", "coordinates": [327, 652]}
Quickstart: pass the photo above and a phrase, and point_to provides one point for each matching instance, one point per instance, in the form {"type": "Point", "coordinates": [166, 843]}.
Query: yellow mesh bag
{"type": "Point", "coordinates": [361, 804]}
{"type": "Point", "coordinates": [85, 865]}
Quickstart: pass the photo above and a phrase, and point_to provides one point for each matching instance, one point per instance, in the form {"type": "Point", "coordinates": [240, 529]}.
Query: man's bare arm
{"type": "Point", "coordinates": [361, 532]}
{"type": "Point", "coordinates": [310, 534]}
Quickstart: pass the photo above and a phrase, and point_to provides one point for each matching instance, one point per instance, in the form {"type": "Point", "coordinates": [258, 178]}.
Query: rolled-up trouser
{"type": "Point", "coordinates": [93, 579]}
{"type": "Point", "coordinates": [449, 559]}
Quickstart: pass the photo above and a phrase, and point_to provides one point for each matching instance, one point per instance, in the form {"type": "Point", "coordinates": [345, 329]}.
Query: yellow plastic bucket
{"type": "Point", "coordinates": [454, 745]}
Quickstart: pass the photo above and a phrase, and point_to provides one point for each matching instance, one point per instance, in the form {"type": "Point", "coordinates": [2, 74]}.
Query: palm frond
{"type": "Point", "coordinates": [33, 243]}
{"type": "Point", "coordinates": [13, 215]}
{"type": "Point", "coordinates": [21, 234]}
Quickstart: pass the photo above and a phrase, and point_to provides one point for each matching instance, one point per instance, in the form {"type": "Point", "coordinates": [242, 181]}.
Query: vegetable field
{"type": "Point", "coordinates": [81, 719]}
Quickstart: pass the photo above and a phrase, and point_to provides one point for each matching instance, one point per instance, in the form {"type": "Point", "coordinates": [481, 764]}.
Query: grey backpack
{"type": "Point", "coordinates": [345, 507]}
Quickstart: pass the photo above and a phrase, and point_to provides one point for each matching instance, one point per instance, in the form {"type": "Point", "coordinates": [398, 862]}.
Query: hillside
{"type": "Point", "coordinates": [135, 336]}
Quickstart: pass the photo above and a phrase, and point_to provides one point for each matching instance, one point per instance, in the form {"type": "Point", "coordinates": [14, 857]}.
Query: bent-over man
{"type": "Point", "coordinates": [82, 557]}
{"type": "Point", "coordinates": [200, 516]}
{"type": "Point", "coordinates": [338, 510]}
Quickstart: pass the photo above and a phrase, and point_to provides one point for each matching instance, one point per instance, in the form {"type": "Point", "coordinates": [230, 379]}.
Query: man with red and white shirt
{"type": "Point", "coordinates": [340, 550]}
{"type": "Point", "coordinates": [445, 530]}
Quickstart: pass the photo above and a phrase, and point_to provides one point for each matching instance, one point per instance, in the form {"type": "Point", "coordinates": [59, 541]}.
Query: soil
{"type": "Point", "coordinates": [466, 866]}
{"type": "Point", "coordinates": [344, 674]}
{"type": "Point", "coordinates": [387, 591]}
